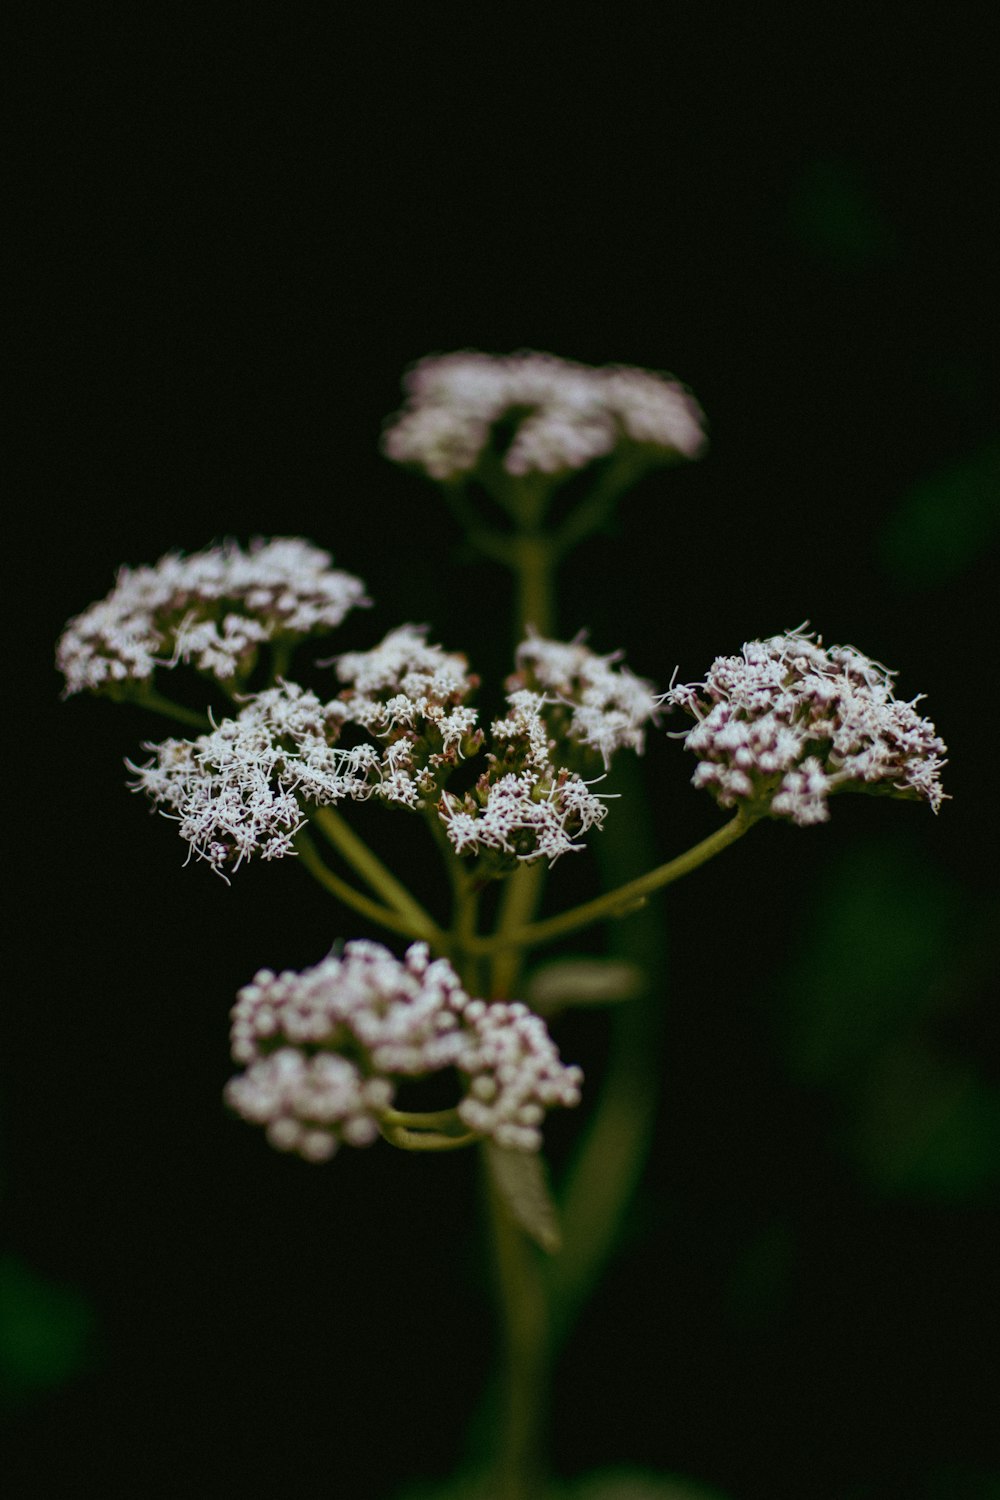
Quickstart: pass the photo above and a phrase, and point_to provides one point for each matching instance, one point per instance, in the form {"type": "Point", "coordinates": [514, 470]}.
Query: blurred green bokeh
{"type": "Point", "coordinates": [604, 1484]}
{"type": "Point", "coordinates": [871, 998]}
{"type": "Point", "coordinates": [947, 522]}
{"type": "Point", "coordinates": [45, 1332]}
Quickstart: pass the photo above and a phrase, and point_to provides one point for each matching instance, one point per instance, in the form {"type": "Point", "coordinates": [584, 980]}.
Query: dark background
{"type": "Point", "coordinates": [237, 235]}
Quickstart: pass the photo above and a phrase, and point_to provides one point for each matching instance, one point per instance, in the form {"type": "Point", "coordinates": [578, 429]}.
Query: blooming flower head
{"type": "Point", "coordinates": [323, 1051]}
{"type": "Point", "coordinates": [525, 806]}
{"type": "Point", "coordinates": [556, 416]}
{"type": "Point", "coordinates": [586, 698]}
{"type": "Point", "coordinates": [213, 609]}
{"type": "Point", "coordinates": [789, 721]}
{"type": "Point", "coordinates": [235, 792]}
{"type": "Point", "coordinates": [244, 788]}
{"type": "Point", "coordinates": [412, 697]}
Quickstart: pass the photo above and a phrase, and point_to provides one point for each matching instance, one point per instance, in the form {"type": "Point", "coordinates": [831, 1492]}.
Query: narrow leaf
{"type": "Point", "coordinates": [521, 1180]}
{"type": "Point", "coordinates": [582, 981]}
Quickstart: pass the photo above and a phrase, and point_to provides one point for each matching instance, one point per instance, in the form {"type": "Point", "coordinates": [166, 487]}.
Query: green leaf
{"type": "Point", "coordinates": [929, 1127]}
{"type": "Point", "coordinates": [947, 522]}
{"type": "Point", "coordinates": [885, 929]}
{"type": "Point", "coordinates": [520, 1179]}
{"type": "Point", "coordinates": [582, 981]}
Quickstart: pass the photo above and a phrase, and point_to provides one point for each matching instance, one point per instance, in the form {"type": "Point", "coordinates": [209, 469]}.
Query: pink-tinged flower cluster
{"type": "Point", "coordinates": [324, 1050]}
{"type": "Point", "coordinates": [213, 609]}
{"type": "Point", "coordinates": [558, 415]}
{"type": "Point", "coordinates": [787, 723]}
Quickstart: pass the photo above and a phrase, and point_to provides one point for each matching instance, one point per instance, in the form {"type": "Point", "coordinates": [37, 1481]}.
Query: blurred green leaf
{"type": "Point", "coordinates": [636, 1484]}
{"type": "Point", "coordinates": [520, 1179]}
{"type": "Point", "coordinates": [570, 982]}
{"type": "Point", "coordinates": [603, 1484]}
{"type": "Point", "coordinates": [946, 522]}
{"type": "Point", "coordinates": [884, 929]}
{"type": "Point", "coordinates": [891, 944]}
{"type": "Point", "coordinates": [45, 1330]}
{"type": "Point", "coordinates": [928, 1126]}
{"type": "Point", "coordinates": [956, 1482]}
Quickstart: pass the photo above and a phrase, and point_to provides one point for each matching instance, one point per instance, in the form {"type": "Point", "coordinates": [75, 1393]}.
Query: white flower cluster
{"type": "Point", "coordinates": [524, 806]}
{"type": "Point", "coordinates": [212, 608]}
{"type": "Point", "coordinates": [523, 817]}
{"type": "Point", "coordinates": [790, 721]}
{"type": "Point", "coordinates": [240, 790]}
{"type": "Point", "coordinates": [234, 792]}
{"type": "Point", "coordinates": [412, 697]}
{"type": "Point", "coordinates": [323, 1051]}
{"type": "Point", "coordinates": [608, 707]}
{"type": "Point", "coordinates": [564, 414]}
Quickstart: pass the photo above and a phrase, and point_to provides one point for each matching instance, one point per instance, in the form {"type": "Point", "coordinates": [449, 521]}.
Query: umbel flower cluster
{"type": "Point", "coordinates": [561, 416]}
{"type": "Point", "coordinates": [324, 1051]}
{"type": "Point", "coordinates": [242, 788]}
{"type": "Point", "coordinates": [789, 722]}
{"type": "Point", "coordinates": [213, 609]}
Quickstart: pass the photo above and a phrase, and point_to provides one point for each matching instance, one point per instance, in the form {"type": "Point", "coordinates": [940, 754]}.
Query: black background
{"type": "Point", "coordinates": [238, 233]}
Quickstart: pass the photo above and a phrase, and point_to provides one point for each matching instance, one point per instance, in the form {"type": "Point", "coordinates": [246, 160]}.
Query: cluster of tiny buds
{"type": "Point", "coordinates": [213, 608]}
{"type": "Point", "coordinates": [562, 415]}
{"type": "Point", "coordinates": [323, 1051]}
{"type": "Point", "coordinates": [789, 722]}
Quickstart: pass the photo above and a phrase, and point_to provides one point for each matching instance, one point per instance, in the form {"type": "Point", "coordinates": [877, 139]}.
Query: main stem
{"type": "Point", "coordinates": [534, 566]}
{"type": "Point", "coordinates": [519, 1464]}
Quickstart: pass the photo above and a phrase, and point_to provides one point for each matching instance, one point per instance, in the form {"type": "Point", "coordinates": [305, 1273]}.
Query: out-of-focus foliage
{"type": "Point", "coordinates": [45, 1332]}
{"type": "Point", "coordinates": [880, 977]}
{"type": "Point", "coordinates": [604, 1484]}
{"type": "Point", "coordinates": [571, 982]}
{"type": "Point", "coordinates": [947, 522]}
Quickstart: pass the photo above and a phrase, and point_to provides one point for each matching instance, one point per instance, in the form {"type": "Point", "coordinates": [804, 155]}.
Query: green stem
{"type": "Point", "coordinates": [462, 939]}
{"type": "Point", "coordinates": [493, 544]}
{"type": "Point", "coordinates": [534, 566]}
{"type": "Point", "coordinates": [374, 873]}
{"type": "Point", "coordinates": [434, 1119]}
{"type": "Point", "coordinates": [517, 1473]}
{"type": "Point", "coordinates": [426, 1140]}
{"type": "Point", "coordinates": [619, 474]}
{"type": "Point", "coordinates": [384, 916]}
{"type": "Point", "coordinates": [159, 704]}
{"type": "Point", "coordinates": [625, 898]}
{"type": "Point", "coordinates": [607, 1165]}
{"type": "Point", "coordinates": [521, 895]}
{"type": "Point", "coordinates": [281, 658]}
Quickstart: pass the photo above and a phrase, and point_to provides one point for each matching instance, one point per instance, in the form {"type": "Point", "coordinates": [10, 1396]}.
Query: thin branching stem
{"type": "Point", "coordinates": [625, 898]}
{"type": "Point", "coordinates": [374, 873]}
{"type": "Point", "coordinates": [374, 911]}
